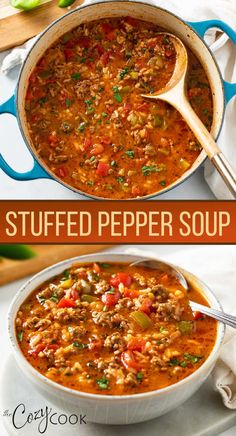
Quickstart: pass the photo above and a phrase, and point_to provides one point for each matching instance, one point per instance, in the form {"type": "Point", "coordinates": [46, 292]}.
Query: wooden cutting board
{"type": "Point", "coordinates": [17, 26]}
{"type": "Point", "coordinates": [47, 255]}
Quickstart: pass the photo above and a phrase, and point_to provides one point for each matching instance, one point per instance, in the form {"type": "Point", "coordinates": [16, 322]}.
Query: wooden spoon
{"type": "Point", "coordinates": [175, 94]}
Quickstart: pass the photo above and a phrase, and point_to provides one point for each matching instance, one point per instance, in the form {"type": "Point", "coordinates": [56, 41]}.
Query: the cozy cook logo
{"type": "Point", "coordinates": [44, 417]}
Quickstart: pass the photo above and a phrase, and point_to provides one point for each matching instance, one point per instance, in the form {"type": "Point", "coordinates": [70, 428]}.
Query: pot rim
{"type": "Point", "coordinates": [33, 152]}
{"type": "Point", "coordinates": [102, 397]}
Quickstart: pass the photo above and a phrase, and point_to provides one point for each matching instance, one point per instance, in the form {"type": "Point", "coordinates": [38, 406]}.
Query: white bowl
{"type": "Point", "coordinates": [105, 409]}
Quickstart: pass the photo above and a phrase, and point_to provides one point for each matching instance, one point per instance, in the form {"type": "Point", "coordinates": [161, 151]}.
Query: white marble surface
{"type": "Point", "coordinates": [17, 155]}
{"type": "Point", "coordinates": [206, 415]}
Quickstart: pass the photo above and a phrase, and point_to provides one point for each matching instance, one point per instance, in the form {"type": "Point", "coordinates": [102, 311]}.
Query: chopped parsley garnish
{"type": "Point", "coordinates": [117, 95]}
{"type": "Point", "coordinates": [124, 72]}
{"type": "Point", "coordinates": [162, 183]}
{"type": "Point", "coordinates": [111, 290]}
{"type": "Point", "coordinates": [40, 299]}
{"type": "Point", "coordinates": [174, 362]}
{"type": "Point", "coordinates": [20, 336]}
{"type": "Point", "coordinates": [105, 265]}
{"type": "Point", "coordinates": [66, 274]}
{"type": "Point", "coordinates": [43, 100]}
{"type": "Point", "coordinates": [80, 345]}
{"type": "Point", "coordinates": [103, 383]}
{"type": "Point", "coordinates": [82, 126]}
{"type": "Point", "coordinates": [120, 179]}
{"type": "Point", "coordinates": [130, 153]}
{"type": "Point", "coordinates": [76, 76]}
{"type": "Point", "coordinates": [192, 358]}
{"type": "Point", "coordinates": [166, 40]}
{"type": "Point", "coordinates": [68, 102]}
{"type": "Point", "coordinates": [54, 298]}
{"type": "Point", "coordinates": [162, 329]}
{"type": "Point", "coordinates": [90, 110]}
{"type": "Point", "coordinates": [140, 376]}
{"type": "Point", "coordinates": [104, 114]}
{"type": "Point", "coordinates": [147, 170]}
{"type": "Point", "coordinates": [205, 111]}
{"type": "Point", "coordinates": [90, 182]}
{"type": "Point", "coordinates": [113, 163]}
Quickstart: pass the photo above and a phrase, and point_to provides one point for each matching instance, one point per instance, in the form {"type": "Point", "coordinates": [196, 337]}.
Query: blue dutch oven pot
{"type": "Point", "coordinates": [191, 33]}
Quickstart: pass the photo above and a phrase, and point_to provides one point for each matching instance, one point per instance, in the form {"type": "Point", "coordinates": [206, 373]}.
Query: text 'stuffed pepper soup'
{"type": "Point", "coordinates": [88, 121]}
{"type": "Point", "coordinates": [114, 329]}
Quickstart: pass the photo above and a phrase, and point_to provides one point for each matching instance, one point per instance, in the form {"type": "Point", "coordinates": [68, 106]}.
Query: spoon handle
{"type": "Point", "coordinates": [207, 142]}
{"type": "Point", "coordinates": [216, 314]}
{"type": "Point", "coordinates": [225, 170]}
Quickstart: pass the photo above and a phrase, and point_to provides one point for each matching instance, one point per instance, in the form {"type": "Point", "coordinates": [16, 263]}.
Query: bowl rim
{"type": "Point", "coordinates": [187, 174]}
{"type": "Point", "coordinates": [14, 307]}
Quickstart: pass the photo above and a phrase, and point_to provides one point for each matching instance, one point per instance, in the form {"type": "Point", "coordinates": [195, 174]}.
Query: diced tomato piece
{"type": "Point", "coordinates": [84, 41]}
{"type": "Point", "coordinates": [152, 43]}
{"type": "Point", "coordinates": [53, 347]}
{"type": "Point", "coordinates": [194, 92]}
{"type": "Point", "coordinates": [102, 169]}
{"type": "Point", "coordinates": [37, 349]}
{"type": "Point", "coordinates": [143, 107]}
{"type": "Point", "coordinates": [33, 78]}
{"type": "Point", "coordinates": [146, 306]}
{"type": "Point", "coordinates": [69, 54]}
{"type": "Point", "coordinates": [131, 21]}
{"type": "Point", "coordinates": [127, 107]}
{"type": "Point", "coordinates": [97, 149]}
{"type": "Point", "coordinates": [96, 268]}
{"type": "Point", "coordinates": [164, 278]}
{"type": "Point", "coordinates": [136, 344]}
{"type": "Point", "coordinates": [139, 63]}
{"type": "Point", "coordinates": [121, 277]}
{"type": "Point", "coordinates": [106, 140]}
{"type": "Point", "coordinates": [131, 293]}
{"type": "Point", "coordinates": [128, 360]}
{"type": "Point", "coordinates": [82, 275]}
{"type": "Point", "coordinates": [70, 44]}
{"type": "Point", "coordinates": [94, 344]}
{"type": "Point", "coordinates": [87, 143]}
{"type": "Point", "coordinates": [169, 53]}
{"type": "Point", "coordinates": [41, 63]}
{"type": "Point", "coordinates": [29, 95]}
{"type": "Point", "coordinates": [100, 49]}
{"type": "Point", "coordinates": [198, 315]}
{"type": "Point", "coordinates": [135, 190]}
{"type": "Point", "coordinates": [39, 93]}
{"type": "Point", "coordinates": [66, 302]}
{"type": "Point", "coordinates": [74, 295]}
{"type": "Point", "coordinates": [61, 172]}
{"type": "Point", "coordinates": [107, 27]}
{"type": "Point", "coordinates": [111, 299]}
{"type": "Point", "coordinates": [105, 58]}
{"type": "Point", "coordinates": [53, 138]}
{"type": "Point", "coordinates": [111, 36]}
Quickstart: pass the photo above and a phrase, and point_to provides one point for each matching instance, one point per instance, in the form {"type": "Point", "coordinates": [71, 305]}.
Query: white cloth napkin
{"type": "Point", "coordinates": [224, 51]}
{"type": "Point", "coordinates": [216, 266]}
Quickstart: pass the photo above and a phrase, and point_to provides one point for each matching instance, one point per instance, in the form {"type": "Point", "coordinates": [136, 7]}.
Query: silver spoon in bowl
{"type": "Point", "coordinates": [179, 277]}
{"type": "Point", "coordinates": [175, 94]}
